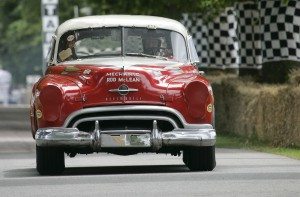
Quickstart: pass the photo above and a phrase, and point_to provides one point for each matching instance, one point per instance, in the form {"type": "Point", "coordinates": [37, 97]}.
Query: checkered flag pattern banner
{"type": "Point", "coordinates": [223, 46]}
{"type": "Point", "coordinates": [216, 42]}
{"type": "Point", "coordinates": [248, 34]}
{"type": "Point", "coordinates": [199, 32]}
{"type": "Point", "coordinates": [280, 27]}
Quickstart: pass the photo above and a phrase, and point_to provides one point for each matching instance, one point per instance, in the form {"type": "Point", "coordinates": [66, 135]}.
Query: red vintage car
{"type": "Point", "coordinates": [122, 85]}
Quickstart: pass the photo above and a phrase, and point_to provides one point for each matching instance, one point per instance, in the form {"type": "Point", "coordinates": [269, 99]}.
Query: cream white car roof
{"type": "Point", "coordinates": [121, 20]}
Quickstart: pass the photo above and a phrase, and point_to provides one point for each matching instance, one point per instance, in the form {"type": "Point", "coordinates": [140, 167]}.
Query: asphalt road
{"type": "Point", "coordinates": [238, 173]}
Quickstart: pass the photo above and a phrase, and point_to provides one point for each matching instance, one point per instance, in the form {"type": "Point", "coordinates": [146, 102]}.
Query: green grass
{"type": "Point", "coordinates": [232, 141]}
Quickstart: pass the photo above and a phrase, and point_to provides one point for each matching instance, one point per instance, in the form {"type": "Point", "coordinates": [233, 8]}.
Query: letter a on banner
{"type": "Point", "coordinates": [49, 24]}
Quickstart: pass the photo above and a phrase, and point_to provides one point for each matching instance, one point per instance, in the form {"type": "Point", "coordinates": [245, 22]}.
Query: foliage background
{"type": "Point", "coordinates": [20, 24]}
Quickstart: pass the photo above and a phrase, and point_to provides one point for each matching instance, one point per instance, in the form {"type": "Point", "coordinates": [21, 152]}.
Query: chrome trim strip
{"type": "Point", "coordinates": [126, 118]}
{"type": "Point", "coordinates": [137, 108]}
{"type": "Point", "coordinates": [128, 90]}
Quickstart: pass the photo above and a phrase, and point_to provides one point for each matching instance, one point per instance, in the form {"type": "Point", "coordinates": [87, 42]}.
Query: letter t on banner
{"type": "Point", "coordinates": [49, 9]}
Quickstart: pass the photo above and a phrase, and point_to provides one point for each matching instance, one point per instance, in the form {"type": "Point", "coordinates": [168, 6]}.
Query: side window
{"type": "Point", "coordinates": [192, 49]}
{"type": "Point", "coordinates": [50, 55]}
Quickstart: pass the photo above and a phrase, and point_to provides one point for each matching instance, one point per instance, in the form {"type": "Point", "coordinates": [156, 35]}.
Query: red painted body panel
{"type": "Point", "coordinates": [69, 87]}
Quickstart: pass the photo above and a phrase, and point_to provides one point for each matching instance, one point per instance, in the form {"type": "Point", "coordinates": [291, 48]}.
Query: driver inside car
{"type": "Point", "coordinates": [69, 53]}
{"type": "Point", "coordinates": [152, 46]}
{"type": "Point", "coordinates": [156, 46]}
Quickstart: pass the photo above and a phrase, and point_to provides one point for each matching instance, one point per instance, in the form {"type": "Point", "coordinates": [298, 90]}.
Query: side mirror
{"type": "Point", "coordinates": [201, 72]}
{"type": "Point", "coordinates": [51, 63]}
{"type": "Point", "coordinates": [44, 69]}
{"type": "Point", "coordinates": [195, 62]}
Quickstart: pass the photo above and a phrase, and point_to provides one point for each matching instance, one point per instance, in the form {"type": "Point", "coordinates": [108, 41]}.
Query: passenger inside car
{"type": "Point", "coordinates": [69, 52]}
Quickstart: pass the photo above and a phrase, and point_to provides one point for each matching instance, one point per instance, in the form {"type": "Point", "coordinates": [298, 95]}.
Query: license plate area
{"type": "Point", "coordinates": [125, 140]}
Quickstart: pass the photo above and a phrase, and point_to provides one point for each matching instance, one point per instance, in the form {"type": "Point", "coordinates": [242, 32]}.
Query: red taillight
{"type": "Point", "coordinates": [51, 100]}
{"type": "Point", "coordinates": [196, 94]}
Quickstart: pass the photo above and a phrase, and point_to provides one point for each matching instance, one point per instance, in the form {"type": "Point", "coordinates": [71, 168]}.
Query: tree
{"type": "Point", "coordinates": [20, 37]}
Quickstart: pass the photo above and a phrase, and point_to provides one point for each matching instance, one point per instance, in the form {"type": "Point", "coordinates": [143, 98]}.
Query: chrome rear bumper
{"type": "Point", "coordinates": [98, 139]}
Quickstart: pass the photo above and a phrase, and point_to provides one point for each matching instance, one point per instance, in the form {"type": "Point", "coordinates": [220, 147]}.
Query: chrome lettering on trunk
{"type": "Point", "coordinates": [126, 77]}
{"type": "Point", "coordinates": [123, 98]}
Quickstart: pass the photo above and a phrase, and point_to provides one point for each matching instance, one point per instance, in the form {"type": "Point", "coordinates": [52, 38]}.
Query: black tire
{"type": "Point", "coordinates": [200, 158]}
{"type": "Point", "coordinates": [50, 161]}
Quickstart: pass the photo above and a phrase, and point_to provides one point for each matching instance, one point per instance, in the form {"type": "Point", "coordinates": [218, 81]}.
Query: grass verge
{"type": "Point", "coordinates": [232, 141]}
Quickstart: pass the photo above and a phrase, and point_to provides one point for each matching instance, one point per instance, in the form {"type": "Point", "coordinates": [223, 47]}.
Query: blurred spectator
{"type": "Point", "coordinates": [5, 83]}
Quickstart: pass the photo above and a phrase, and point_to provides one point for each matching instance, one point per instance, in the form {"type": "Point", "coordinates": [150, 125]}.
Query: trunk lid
{"type": "Point", "coordinates": [121, 80]}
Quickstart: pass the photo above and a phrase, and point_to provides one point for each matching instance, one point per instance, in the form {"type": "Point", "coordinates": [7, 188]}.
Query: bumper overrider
{"type": "Point", "coordinates": [189, 135]}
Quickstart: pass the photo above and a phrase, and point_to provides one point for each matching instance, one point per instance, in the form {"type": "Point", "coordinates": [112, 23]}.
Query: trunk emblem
{"type": "Point", "coordinates": [123, 90]}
